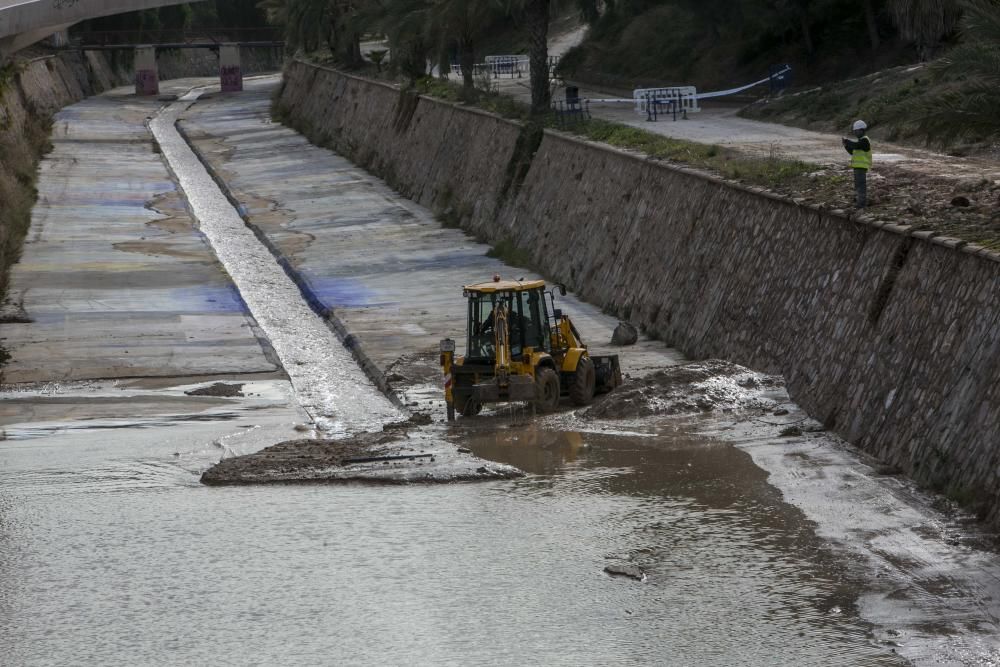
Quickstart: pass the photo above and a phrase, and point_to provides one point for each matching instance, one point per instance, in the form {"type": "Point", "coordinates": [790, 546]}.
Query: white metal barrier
{"type": "Point", "coordinates": [683, 98]}
{"type": "Point", "coordinates": [508, 65]}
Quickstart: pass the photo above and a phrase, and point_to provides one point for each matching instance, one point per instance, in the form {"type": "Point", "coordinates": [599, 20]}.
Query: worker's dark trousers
{"type": "Point", "coordinates": [861, 187]}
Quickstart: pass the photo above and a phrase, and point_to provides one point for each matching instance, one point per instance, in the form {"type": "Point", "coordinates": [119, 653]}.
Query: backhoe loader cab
{"type": "Point", "coordinates": [520, 347]}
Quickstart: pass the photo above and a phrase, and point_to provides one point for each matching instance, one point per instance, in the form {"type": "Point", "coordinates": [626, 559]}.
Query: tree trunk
{"type": "Point", "coordinates": [537, 17]}
{"type": "Point", "coordinates": [806, 32]}
{"type": "Point", "coordinates": [352, 51]}
{"type": "Point", "coordinates": [467, 58]}
{"type": "Point", "coordinates": [444, 63]}
{"type": "Point", "coordinates": [872, 25]}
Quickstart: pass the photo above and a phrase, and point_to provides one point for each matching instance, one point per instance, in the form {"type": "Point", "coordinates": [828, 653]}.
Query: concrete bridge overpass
{"type": "Point", "coordinates": [24, 22]}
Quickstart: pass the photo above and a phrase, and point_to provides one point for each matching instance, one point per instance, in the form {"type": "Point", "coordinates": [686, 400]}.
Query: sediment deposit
{"type": "Point", "coordinates": [694, 388]}
{"type": "Point", "coordinates": [396, 455]}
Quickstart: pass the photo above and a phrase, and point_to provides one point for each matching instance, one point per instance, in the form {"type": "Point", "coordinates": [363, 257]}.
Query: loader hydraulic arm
{"type": "Point", "coordinates": [501, 341]}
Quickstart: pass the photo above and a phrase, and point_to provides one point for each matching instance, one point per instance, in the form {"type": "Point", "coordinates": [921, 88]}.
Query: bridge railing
{"type": "Point", "coordinates": [176, 36]}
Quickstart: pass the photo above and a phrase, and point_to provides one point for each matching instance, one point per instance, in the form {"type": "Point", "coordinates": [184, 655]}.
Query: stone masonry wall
{"type": "Point", "coordinates": [891, 338]}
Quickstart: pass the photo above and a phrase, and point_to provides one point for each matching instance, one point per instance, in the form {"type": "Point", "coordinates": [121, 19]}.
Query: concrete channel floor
{"type": "Point", "coordinates": [391, 272]}
{"type": "Point", "coordinates": [116, 278]}
{"type": "Point", "coordinates": [328, 383]}
{"type": "Point", "coordinates": [129, 307]}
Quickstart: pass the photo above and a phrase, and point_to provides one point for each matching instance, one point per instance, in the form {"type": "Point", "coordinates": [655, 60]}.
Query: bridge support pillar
{"type": "Point", "coordinates": [230, 73]}
{"type": "Point", "coordinates": [147, 81]}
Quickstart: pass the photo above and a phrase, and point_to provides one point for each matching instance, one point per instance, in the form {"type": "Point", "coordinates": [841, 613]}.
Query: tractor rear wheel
{"type": "Point", "coordinates": [547, 390]}
{"type": "Point", "coordinates": [581, 389]}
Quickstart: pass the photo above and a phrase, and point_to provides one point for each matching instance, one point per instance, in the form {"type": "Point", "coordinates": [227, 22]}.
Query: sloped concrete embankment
{"type": "Point", "coordinates": [30, 93]}
{"type": "Point", "coordinates": [889, 337]}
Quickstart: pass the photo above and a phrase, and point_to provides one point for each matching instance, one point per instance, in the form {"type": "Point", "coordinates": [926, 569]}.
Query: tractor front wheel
{"type": "Point", "coordinates": [547, 390]}
{"type": "Point", "coordinates": [581, 390]}
{"type": "Point", "coordinates": [468, 406]}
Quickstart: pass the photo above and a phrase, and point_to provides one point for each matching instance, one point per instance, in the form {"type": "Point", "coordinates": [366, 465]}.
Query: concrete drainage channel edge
{"type": "Point", "coordinates": [328, 315]}
{"type": "Point", "coordinates": [328, 382]}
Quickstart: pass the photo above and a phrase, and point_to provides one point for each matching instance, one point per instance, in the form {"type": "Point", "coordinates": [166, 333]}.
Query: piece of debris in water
{"type": "Point", "coordinates": [630, 571]}
{"type": "Point", "coordinates": [221, 389]}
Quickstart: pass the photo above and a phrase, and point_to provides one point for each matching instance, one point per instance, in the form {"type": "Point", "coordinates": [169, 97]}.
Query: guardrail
{"type": "Point", "coordinates": [513, 66]}
{"type": "Point", "coordinates": [209, 37]}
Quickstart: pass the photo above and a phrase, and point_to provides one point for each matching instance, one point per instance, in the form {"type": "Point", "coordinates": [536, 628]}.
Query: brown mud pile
{"type": "Point", "coordinates": [298, 459]}
{"type": "Point", "coordinates": [220, 389]}
{"type": "Point", "coordinates": [394, 456]}
{"type": "Point", "coordinates": [689, 389]}
{"type": "Point", "coordinates": [413, 370]}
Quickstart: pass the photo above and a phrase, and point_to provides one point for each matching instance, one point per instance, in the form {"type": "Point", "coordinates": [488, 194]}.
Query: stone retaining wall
{"type": "Point", "coordinates": [891, 338]}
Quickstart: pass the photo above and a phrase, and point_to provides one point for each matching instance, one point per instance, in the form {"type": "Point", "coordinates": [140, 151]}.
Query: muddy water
{"type": "Point", "coordinates": [111, 553]}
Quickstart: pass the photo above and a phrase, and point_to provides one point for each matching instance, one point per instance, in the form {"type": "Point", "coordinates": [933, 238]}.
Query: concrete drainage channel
{"type": "Point", "coordinates": [328, 383]}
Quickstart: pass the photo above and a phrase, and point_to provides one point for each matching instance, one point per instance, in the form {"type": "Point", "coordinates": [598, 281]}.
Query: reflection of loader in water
{"type": "Point", "coordinates": [520, 350]}
{"type": "Point", "coordinates": [531, 448]}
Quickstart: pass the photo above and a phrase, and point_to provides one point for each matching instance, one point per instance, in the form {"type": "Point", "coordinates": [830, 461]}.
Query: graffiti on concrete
{"type": "Point", "coordinates": [146, 82]}
{"type": "Point", "coordinates": [231, 78]}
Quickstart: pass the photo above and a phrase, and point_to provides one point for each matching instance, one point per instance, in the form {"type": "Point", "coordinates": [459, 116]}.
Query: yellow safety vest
{"type": "Point", "coordinates": [861, 159]}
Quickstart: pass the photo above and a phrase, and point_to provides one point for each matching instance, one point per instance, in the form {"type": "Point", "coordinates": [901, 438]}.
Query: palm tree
{"type": "Point", "coordinates": [968, 108]}
{"type": "Point", "coordinates": [871, 24]}
{"type": "Point", "coordinates": [312, 24]}
{"type": "Point", "coordinates": [309, 23]}
{"type": "Point", "coordinates": [925, 22]}
{"type": "Point", "coordinates": [464, 23]}
{"type": "Point", "coordinates": [408, 28]}
{"type": "Point", "coordinates": [536, 15]}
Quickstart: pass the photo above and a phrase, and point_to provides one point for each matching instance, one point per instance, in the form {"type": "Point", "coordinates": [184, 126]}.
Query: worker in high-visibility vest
{"type": "Point", "coordinates": [861, 161]}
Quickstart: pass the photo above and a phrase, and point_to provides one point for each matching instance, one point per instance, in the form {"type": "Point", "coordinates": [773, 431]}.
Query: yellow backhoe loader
{"type": "Point", "coordinates": [520, 347]}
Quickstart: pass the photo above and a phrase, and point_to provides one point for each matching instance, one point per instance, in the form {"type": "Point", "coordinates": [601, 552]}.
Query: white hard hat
{"type": "Point", "coordinates": [860, 125]}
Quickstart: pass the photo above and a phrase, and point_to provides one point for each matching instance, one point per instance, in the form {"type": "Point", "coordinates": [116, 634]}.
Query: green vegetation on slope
{"type": "Point", "coordinates": [881, 99]}
{"type": "Point", "coordinates": [950, 103]}
{"type": "Point", "coordinates": [20, 150]}
{"type": "Point", "coordinates": [717, 43]}
{"type": "Point", "coordinates": [769, 171]}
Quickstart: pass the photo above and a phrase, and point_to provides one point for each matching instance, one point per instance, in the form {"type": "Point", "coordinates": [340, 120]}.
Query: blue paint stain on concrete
{"type": "Point", "coordinates": [334, 292]}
